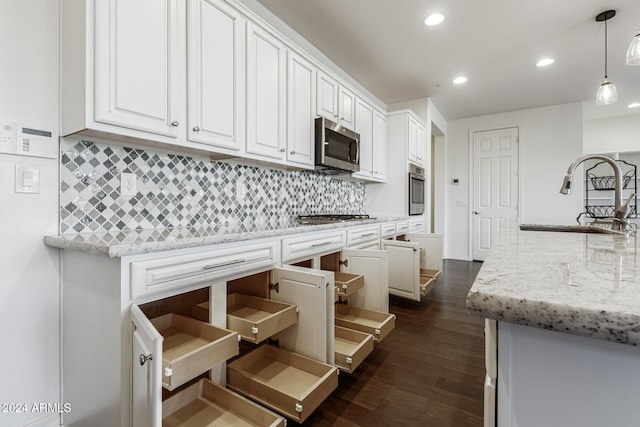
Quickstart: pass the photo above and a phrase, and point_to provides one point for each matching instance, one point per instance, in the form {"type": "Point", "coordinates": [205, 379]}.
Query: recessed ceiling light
{"type": "Point", "coordinates": [545, 62]}
{"type": "Point", "coordinates": [459, 80]}
{"type": "Point", "coordinates": [634, 105]}
{"type": "Point", "coordinates": [434, 19]}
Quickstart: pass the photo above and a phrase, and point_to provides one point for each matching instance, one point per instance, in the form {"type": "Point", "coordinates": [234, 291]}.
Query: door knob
{"type": "Point", "coordinates": [476, 213]}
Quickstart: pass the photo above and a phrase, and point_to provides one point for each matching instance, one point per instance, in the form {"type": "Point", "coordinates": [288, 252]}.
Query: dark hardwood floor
{"type": "Point", "coordinates": [428, 372]}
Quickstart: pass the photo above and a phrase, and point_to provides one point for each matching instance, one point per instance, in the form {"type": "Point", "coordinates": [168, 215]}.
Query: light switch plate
{"type": "Point", "coordinates": [27, 179]}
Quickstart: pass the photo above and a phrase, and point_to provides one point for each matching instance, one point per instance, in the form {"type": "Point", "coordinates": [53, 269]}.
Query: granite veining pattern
{"type": "Point", "coordinates": [579, 283]}
{"type": "Point", "coordinates": [134, 242]}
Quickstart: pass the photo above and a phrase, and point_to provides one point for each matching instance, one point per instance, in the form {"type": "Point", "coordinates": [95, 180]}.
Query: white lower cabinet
{"type": "Point", "coordinates": [409, 276]}
{"type": "Point", "coordinates": [170, 325]}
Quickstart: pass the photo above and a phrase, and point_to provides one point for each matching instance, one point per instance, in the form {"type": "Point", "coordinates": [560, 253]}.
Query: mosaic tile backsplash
{"type": "Point", "coordinates": [180, 191]}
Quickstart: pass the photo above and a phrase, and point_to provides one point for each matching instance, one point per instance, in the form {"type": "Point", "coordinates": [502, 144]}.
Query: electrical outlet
{"type": "Point", "coordinates": [128, 184]}
{"type": "Point", "coordinates": [241, 189]}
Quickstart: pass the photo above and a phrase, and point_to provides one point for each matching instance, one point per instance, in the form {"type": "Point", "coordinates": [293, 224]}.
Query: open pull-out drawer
{"type": "Point", "coordinates": [436, 274]}
{"type": "Point", "coordinates": [286, 382]}
{"type": "Point", "coordinates": [257, 319]}
{"type": "Point", "coordinates": [191, 347]}
{"type": "Point", "coordinates": [207, 404]}
{"type": "Point", "coordinates": [347, 283]}
{"type": "Point", "coordinates": [351, 348]}
{"type": "Point", "coordinates": [428, 279]}
{"type": "Point", "coordinates": [370, 322]}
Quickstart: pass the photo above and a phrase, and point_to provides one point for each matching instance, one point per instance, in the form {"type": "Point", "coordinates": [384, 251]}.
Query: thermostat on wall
{"type": "Point", "coordinates": [27, 141]}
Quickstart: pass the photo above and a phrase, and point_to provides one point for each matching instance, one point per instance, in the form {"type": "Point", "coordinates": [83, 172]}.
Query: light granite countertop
{"type": "Point", "coordinates": [579, 283]}
{"type": "Point", "coordinates": [134, 242]}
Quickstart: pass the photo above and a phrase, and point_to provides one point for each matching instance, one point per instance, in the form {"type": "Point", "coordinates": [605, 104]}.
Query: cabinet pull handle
{"type": "Point", "coordinates": [196, 128]}
{"type": "Point", "coordinates": [369, 234]}
{"type": "Point", "coordinates": [175, 123]}
{"type": "Point", "coordinates": [315, 245]}
{"type": "Point", "coordinates": [223, 264]}
{"type": "Point", "coordinates": [144, 357]}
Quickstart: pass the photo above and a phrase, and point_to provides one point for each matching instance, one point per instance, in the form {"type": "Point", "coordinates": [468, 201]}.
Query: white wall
{"type": "Point", "coordinates": [612, 134]}
{"type": "Point", "coordinates": [29, 289]}
{"type": "Point", "coordinates": [550, 139]}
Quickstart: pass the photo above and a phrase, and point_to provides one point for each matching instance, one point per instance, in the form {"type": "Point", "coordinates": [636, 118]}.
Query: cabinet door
{"type": "Point", "coordinates": [301, 110]}
{"type": "Point", "coordinates": [137, 65]}
{"type": "Point", "coordinates": [432, 245]}
{"type": "Point", "coordinates": [312, 292]}
{"type": "Point", "coordinates": [327, 97]}
{"type": "Point", "coordinates": [266, 90]}
{"type": "Point", "coordinates": [412, 139]}
{"type": "Point", "coordinates": [404, 268]}
{"type": "Point", "coordinates": [346, 108]}
{"type": "Point", "coordinates": [146, 362]}
{"type": "Point", "coordinates": [373, 265]}
{"type": "Point", "coordinates": [379, 146]}
{"type": "Point", "coordinates": [421, 143]}
{"type": "Point", "coordinates": [364, 126]}
{"type": "Point", "coordinates": [215, 86]}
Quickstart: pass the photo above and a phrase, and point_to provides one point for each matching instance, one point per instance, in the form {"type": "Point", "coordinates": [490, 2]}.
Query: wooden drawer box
{"type": "Point", "coordinates": [286, 382]}
{"type": "Point", "coordinates": [347, 283]}
{"type": "Point", "coordinates": [370, 322]}
{"type": "Point", "coordinates": [351, 348]}
{"type": "Point", "coordinates": [257, 319]}
{"type": "Point", "coordinates": [427, 283]}
{"type": "Point", "coordinates": [207, 404]}
{"type": "Point", "coordinates": [191, 347]}
{"type": "Point", "coordinates": [436, 274]}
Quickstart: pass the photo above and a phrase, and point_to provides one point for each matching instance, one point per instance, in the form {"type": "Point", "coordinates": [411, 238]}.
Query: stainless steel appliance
{"type": "Point", "coordinates": [337, 148]}
{"type": "Point", "coordinates": [416, 190]}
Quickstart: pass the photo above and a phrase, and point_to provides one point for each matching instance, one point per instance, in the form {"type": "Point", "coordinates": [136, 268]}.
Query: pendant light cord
{"type": "Point", "coordinates": [605, 48]}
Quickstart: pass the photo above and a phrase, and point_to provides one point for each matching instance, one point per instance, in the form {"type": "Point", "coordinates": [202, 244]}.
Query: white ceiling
{"type": "Point", "coordinates": [385, 46]}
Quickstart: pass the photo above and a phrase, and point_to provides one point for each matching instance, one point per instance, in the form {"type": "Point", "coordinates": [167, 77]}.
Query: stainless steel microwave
{"type": "Point", "coordinates": [337, 148]}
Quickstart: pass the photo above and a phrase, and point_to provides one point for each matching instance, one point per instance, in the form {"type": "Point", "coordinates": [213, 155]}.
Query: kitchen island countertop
{"type": "Point", "coordinates": [578, 283]}
{"type": "Point", "coordinates": [134, 242]}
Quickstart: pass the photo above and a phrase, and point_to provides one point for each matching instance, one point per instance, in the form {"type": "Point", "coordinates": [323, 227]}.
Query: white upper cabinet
{"type": "Point", "coordinates": [266, 93]}
{"type": "Point", "coordinates": [301, 106]}
{"type": "Point", "coordinates": [364, 127]}
{"type": "Point", "coordinates": [379, 138]}
{"type": "Point", "coordinates": [137, 65]}
{"type": "Point", "coordinates": [406, 129]}
{"type": "Point", "coordinates": [327, 97]}
{"type": "Point", "coordinates": [215, 76]}
{"type": "Point", "coordinates": [346, 107]}
{"type": "Point", "coordinates": [371, 124]}
{"type": "Point", "coordinates": [335, 101]}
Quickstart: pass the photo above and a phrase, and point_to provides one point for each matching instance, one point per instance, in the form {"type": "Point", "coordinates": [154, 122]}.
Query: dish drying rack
{"type": "Point", "coordinates": [596, 182]}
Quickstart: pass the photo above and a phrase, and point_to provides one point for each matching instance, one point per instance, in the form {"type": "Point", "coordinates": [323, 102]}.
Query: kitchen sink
{"type": "Point", "coordinates": [569, 228]}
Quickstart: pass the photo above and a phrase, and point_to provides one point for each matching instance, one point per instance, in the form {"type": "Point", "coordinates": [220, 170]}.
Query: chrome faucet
{"type": "Point", "coordinates": [619, 222]}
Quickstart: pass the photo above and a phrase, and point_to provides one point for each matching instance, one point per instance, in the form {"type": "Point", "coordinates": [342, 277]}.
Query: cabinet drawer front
{"type": "Point", "coordinates": [416, 225]}
{"type": "Point", "coordinates": [361, 235]}
{"type": "Point", "coordinates": [402, 227]}
{"type": "Point", "coordinates": [309, 246]}
{"type": "Point", "coordinates": [173, 272]}
{"type": "Point", "coordinates": [387, 230]}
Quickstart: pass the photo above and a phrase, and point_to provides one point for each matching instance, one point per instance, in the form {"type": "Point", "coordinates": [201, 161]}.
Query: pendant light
{"type": "Point", "coordinates": [633, 53]}
{"type": "Point", "coordinates": [607, 92]}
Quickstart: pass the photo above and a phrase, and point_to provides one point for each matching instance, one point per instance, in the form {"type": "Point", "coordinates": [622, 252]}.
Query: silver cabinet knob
{"type": "Point", "coordinates": [292, 153]}
{"type": "Point", "coordinates": [282, 150]}
{"type": "Point", "coordinates": [196, 128]}
{"type": "Point", "coordinates": [175, 123]}
{"type": "Point", "coordinates": [144, 358]}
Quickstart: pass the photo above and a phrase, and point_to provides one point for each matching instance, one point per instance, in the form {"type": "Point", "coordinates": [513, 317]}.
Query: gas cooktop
{"type": "Point", "coordinates": [330, 218]}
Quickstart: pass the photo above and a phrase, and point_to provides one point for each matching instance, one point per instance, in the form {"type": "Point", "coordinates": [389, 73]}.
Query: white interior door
{"type": "Point", "coordinates": [495, 188]}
